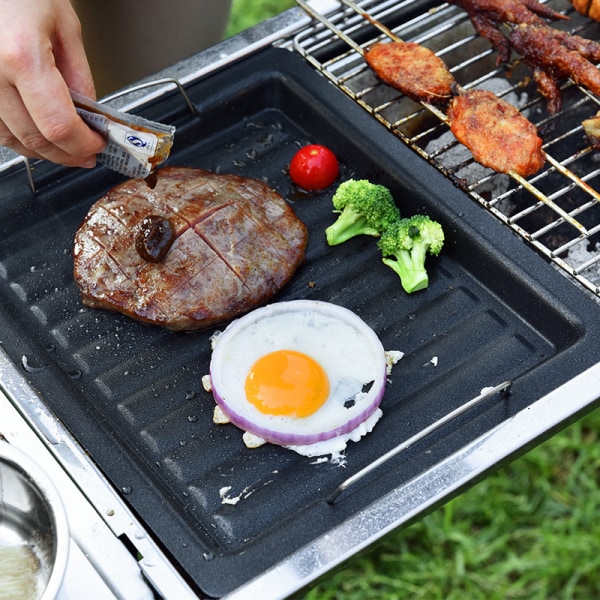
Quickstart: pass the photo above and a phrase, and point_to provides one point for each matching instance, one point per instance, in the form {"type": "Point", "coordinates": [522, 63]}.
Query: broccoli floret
{"type": "Point", "coordinates": [405, 245]}
{"type": "Point", "coordinates": [365, 209]}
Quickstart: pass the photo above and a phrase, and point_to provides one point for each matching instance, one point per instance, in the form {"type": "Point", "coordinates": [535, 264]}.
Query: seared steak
{"type": "Point", "coordinates": [235, 243]}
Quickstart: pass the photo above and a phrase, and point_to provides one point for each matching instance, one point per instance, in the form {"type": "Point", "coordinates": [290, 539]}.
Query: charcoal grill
{"type": "Point", "coordinates": [499, 350]}
{"type": "Point", "coordinates": [557, 210]}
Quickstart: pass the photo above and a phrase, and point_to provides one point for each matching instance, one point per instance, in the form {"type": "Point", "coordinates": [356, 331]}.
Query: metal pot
{"type": "Point", "coordinates": [34, 532]}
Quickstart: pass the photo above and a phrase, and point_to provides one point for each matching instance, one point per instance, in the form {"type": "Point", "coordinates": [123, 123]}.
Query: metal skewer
{"type": "Point", "coordinates": [544, 199]}
{"type": "Point", "coordinates": [486, 393]}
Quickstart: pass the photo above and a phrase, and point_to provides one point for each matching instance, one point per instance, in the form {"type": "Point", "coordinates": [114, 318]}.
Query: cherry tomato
{"type": "Point", "coordinates": [314, 167]}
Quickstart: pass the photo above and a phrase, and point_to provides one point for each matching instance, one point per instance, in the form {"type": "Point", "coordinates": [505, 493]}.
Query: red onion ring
{"type": "Point", "coordinates": [283, 430]}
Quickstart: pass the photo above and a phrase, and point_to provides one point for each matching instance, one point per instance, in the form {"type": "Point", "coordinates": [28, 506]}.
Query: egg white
{"type": "Point", "coordinates": [343, 344]}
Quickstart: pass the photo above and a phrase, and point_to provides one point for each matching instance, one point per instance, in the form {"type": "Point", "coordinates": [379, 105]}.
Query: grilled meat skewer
{"type": "Point", "coordinates": [554, 55]}
{"type": "Point", "coordinates": [413, 69]}
{"type": "Point", "coordinates": [550, 53]}
{"type": "Point", "coordinates": [496, 133]}
{"type": "Point", "coordinates": [487, 16]}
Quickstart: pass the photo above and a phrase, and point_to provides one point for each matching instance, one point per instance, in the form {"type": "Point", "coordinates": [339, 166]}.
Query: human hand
{"type": "Point", "coordinates": [41, 57]}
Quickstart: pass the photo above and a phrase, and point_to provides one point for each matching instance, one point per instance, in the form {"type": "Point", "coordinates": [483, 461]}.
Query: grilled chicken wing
{"type": "Point", "coordinates": [496, 133]}
{"type": "Point", "coordinates": [413, 69]}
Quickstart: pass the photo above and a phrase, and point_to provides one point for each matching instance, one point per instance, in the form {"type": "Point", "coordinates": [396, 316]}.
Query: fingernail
{"type": "Point", "coordinates": [90, 163]}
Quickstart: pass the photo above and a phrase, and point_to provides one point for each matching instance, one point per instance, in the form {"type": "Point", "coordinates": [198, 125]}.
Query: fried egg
{"type": "Point", "coordinates": [304, 374]}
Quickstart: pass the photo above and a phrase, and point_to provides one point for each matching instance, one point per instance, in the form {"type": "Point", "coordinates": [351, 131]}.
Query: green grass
{"type": "Point", "coordinates": [530, 531]}
{"type": "Point", "coordinates": [245, 13]}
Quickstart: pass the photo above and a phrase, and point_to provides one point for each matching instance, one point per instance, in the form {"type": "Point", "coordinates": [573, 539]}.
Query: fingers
{"type": "Point", "coordinates": [58, 134]}
{"type": "Point", "coordinates": [37, 116]}
{"type": "Point", "coordinates": [47, 126]}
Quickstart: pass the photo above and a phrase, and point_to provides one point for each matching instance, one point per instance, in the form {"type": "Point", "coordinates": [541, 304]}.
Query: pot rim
{"type": "Point", "coordinates": [39, 479]}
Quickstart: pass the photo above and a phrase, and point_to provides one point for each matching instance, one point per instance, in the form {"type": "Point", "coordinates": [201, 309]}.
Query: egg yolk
{"type": "Point", "coordinates": [287, 383]}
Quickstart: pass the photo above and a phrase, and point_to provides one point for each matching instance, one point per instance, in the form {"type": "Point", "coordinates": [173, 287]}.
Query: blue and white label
{"type": "Point", "coordinates": [137, 141]}
{"type": "Point", "coordinates": [131, 141]}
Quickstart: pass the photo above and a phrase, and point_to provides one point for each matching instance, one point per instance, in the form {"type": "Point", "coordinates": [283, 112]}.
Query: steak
{"type": "Point", "coordinates": [233, 243]}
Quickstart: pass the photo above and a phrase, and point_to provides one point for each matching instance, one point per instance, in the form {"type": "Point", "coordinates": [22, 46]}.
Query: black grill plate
{"type": "Point", "coordinates": [132, 394]}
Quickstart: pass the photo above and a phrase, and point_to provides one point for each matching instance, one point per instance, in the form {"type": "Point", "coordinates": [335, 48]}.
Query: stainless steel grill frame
{"type": "Point", "coordinates": [557, 209]}
{"type": "Point", "coordinates": [447, 478]}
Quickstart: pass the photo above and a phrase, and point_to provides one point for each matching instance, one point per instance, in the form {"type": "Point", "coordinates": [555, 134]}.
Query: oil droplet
{"type": "Point", "coordinates": [267, 140]}
{"type": "Point", "coordinates": [35, 268]}
{"type": "Point", "coordinates": [29, 367]}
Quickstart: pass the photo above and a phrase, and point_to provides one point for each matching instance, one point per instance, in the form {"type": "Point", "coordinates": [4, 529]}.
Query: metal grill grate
{"type": "Point", "coordinates": [557, 210]}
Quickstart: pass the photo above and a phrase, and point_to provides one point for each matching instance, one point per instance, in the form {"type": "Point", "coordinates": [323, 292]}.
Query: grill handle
{"type": "Point", "coordinates": [503, 389]}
